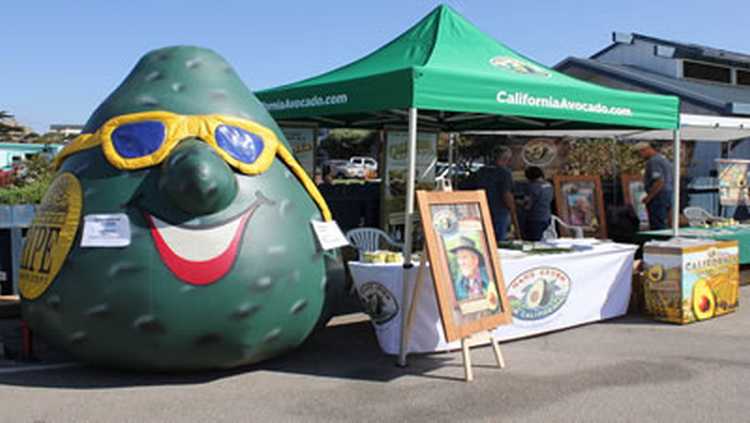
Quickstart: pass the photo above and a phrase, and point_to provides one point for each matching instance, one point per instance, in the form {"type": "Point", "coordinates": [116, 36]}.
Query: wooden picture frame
{"type": "Point", "coordinates": [574, 196]}
{"type": "Point", "coordinates": [632, 193]}
{"type": "Point", "coordinates": [460, 241]}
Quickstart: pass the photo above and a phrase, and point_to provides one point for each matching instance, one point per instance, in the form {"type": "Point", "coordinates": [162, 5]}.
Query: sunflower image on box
{"type": "Point", "coordinates": [214, 262]}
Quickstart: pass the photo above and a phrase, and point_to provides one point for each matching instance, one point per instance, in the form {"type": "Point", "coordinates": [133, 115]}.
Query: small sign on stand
{"type": "Point", "coordinates": [460, 247]}
{"type": "Point", "coordinates": [329, 234]}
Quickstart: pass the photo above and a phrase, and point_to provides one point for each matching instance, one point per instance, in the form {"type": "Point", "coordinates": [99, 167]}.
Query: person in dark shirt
{"type": "Point", "coordinates": [658, 181]}
{"type": "Point", "coordinates": [327, 177]}
{"type": "Point", "coordinates": [497, 182]}
{"type": "Point", "coordinates": [326, 187]}
{"type": "Point", "coordinates": [538, 207]}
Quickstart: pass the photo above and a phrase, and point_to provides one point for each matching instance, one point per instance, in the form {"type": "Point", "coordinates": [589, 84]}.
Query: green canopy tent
{"type": "Point", "coordinates": [460, 78]}
{"type": "Point", "coordinates": [446, 74]}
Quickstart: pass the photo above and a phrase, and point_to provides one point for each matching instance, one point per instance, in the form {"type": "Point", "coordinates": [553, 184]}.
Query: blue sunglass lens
{"type": "Point", "coordinates": [239, 143]}
{"type": "Point", "coordinates": [139, 139]}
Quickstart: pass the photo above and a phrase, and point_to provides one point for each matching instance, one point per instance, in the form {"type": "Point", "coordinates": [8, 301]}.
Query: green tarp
{"type": "Point", "coordinates": [446, 64]}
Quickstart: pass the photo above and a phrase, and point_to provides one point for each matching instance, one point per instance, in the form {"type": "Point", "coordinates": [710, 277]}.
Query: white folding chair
{"type": "Point", "coordinates": [698, 216]}
{"type": "Point", "coordinates": [551, 231]}
{"type": "Point", "coordinates": [368, 239]}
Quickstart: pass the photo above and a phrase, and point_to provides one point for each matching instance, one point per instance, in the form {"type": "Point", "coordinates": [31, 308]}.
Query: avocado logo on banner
{"type": "Point", "coordinates": [51, 236]}
{"type": "Point", "coordinates": [378, 302]}
{"type": "Point", "coordinates": [446, 222]}
{"type": "Point", "coordinates": [518, 66]}
{"type": "Point", "coordinates": [538, 293]}
{"type": "Point", "coordinates": [539, 152]}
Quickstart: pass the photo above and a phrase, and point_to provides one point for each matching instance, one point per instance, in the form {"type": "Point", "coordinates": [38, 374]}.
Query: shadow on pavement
{"type": "Point", "coordinates": [348, 351]}
{"type": "Point", "coordinates": [634, 319]}
{"type": "Point", "coordinates": [351, 351]}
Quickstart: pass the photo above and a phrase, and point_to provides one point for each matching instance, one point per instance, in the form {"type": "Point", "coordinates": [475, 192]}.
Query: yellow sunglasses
{"type": "Point", "coordinates": [140, 140]}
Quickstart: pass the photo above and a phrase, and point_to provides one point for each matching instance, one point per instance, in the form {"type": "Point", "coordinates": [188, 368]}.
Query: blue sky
{"type": "Point", "coordinates": [61, 59]}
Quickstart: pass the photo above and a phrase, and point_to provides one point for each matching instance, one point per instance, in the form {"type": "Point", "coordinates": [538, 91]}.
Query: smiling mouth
{"type": "Point", "coordinates": [200, 255]}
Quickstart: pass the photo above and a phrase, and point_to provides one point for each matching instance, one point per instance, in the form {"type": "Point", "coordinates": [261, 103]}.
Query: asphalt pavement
{"type": "Point", "coordinates": [629, 369]}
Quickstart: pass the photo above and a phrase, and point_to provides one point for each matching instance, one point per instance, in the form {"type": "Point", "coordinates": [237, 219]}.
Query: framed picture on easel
{"type": "Point", "coordinates": [733, 182]}
{"type": "Point", "coordinates": [580, 202]}
{"type": "Point", "coordinates": [464, 263]}
{"type": "Point", "coordinates": [633, 193]}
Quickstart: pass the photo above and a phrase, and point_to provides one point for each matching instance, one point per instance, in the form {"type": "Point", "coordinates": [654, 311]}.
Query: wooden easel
{"type": "Point", "coordinates": [480, 338]}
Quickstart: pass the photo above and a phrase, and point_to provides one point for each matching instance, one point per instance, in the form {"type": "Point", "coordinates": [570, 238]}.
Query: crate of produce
{"type": "Point", "coordinates": [686, 280]}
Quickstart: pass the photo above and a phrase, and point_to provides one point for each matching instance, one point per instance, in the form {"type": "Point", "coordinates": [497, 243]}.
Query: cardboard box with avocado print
{"type": "Point", "coordinates": [689, 280]}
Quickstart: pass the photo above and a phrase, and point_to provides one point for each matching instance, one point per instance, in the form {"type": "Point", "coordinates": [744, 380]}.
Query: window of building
{"type": "Point", "coordinates": [743, 77]}
{"type": "Point", "coordinates": [706, 72]}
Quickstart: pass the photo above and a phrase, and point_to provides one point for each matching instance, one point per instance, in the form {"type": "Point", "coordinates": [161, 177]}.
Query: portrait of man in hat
{"type": "Point", "coordinates": [471, 280]}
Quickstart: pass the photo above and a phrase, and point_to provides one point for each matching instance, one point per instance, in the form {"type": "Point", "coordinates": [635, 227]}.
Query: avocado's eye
{"type": "Point", "coordinates": [242, 145]}
{"type": "Point", "coordinates": [139, 139]}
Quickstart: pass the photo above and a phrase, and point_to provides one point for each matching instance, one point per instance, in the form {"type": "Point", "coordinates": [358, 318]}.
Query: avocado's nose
{"type": "Point", "coordinates": [196, 180]}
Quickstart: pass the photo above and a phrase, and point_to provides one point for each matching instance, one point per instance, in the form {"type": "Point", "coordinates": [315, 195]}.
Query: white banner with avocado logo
{"type": "Point", "coordinates": [547, 292]}
{"type": "Point", "coordinates": [51, 236]}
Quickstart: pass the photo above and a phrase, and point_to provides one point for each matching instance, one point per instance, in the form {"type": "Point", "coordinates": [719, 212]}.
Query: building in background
{"type": "Point", "coordinates": [709, 81]}
{"type": "Point", "coordinates": [12, 153]}
{"type": "Point", "coordinates": [67, 130]}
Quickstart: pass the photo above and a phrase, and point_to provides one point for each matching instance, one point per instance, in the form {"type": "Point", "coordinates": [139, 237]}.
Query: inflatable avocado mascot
{"type": "Point", "coordinates": [176, 233]}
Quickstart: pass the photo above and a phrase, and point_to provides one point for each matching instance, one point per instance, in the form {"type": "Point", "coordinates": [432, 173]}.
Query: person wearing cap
{"type": "Point", "coordinates": [472, 280]}
{"type": "Point", "coordinates": [658, 181]}
{"type": "Point", "coordinates": [497, 182]}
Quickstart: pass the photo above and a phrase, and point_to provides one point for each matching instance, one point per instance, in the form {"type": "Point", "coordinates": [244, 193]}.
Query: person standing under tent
{"type": "Point", "coordinates": [658, 179]}
{"type": "Point", "coordinates": [497, 182]}
{"type": "Point", "coordinates": [538, 207]}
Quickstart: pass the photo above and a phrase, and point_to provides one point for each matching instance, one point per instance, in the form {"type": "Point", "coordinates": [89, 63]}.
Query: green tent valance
{"type": "Point", "coordinates": [460, 78]}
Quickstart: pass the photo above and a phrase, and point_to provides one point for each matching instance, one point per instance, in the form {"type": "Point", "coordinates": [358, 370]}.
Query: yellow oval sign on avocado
{"type": "Point", "coordinates": [51, 236]}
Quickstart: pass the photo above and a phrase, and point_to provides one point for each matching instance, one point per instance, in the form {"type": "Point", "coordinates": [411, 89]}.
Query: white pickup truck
{"type": "Point", "coordinates": [360, 166]}
{"type": "Point", "coordinates": [355, 167]}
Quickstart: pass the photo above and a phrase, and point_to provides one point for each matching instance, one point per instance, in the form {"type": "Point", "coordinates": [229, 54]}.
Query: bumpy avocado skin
{"type": "Point", "coordinates": [122, 307]}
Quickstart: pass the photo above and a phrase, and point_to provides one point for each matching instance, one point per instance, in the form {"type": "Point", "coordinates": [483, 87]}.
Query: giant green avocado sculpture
{"type": "Point", "coordinates": [221, 266]}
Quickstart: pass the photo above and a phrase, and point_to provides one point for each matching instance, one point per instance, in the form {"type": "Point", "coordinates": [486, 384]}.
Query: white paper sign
{"type": "Point", "coordinates": [106, 230]}
{"type": "Point", "coordinates": [329, 234]}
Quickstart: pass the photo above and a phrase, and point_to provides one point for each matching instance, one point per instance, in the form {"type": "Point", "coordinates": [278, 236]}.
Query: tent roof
{"type": "Point", "coordinates": [692, 128]}
{"type": "Point", "coordinates": [461, 78]}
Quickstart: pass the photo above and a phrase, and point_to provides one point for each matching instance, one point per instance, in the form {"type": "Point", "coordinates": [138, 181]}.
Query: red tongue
{"type": "Point", "coordinates": [199, 272]}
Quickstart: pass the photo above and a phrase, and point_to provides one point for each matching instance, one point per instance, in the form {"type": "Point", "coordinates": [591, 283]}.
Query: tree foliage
{"type": "Point", "coordinates": [345, 143]}
{"type": "Point", "coordinates": [29, 183]}
{"type": "Point", "coordinates": [48, 138]}
{"type": "Point", "coordinates": [5, 127]}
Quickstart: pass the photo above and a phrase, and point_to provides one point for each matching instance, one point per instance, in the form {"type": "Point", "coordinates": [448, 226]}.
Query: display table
{"type": "Point", "coordinates": [739, 233]}
{"type": "Point", "coordinates": [571, 288]}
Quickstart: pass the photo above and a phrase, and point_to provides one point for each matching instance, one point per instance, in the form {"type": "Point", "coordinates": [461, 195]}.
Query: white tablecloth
{"type": "Point", "coordinates": [585, 286]}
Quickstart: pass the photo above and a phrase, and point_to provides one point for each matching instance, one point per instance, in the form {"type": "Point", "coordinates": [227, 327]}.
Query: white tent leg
{"type": "Point", "coordinates": [450, 156]}
{"type": "Point", "coordinates": [676, 181]}
{"type": "Point", "coordinates": [408, 220]}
